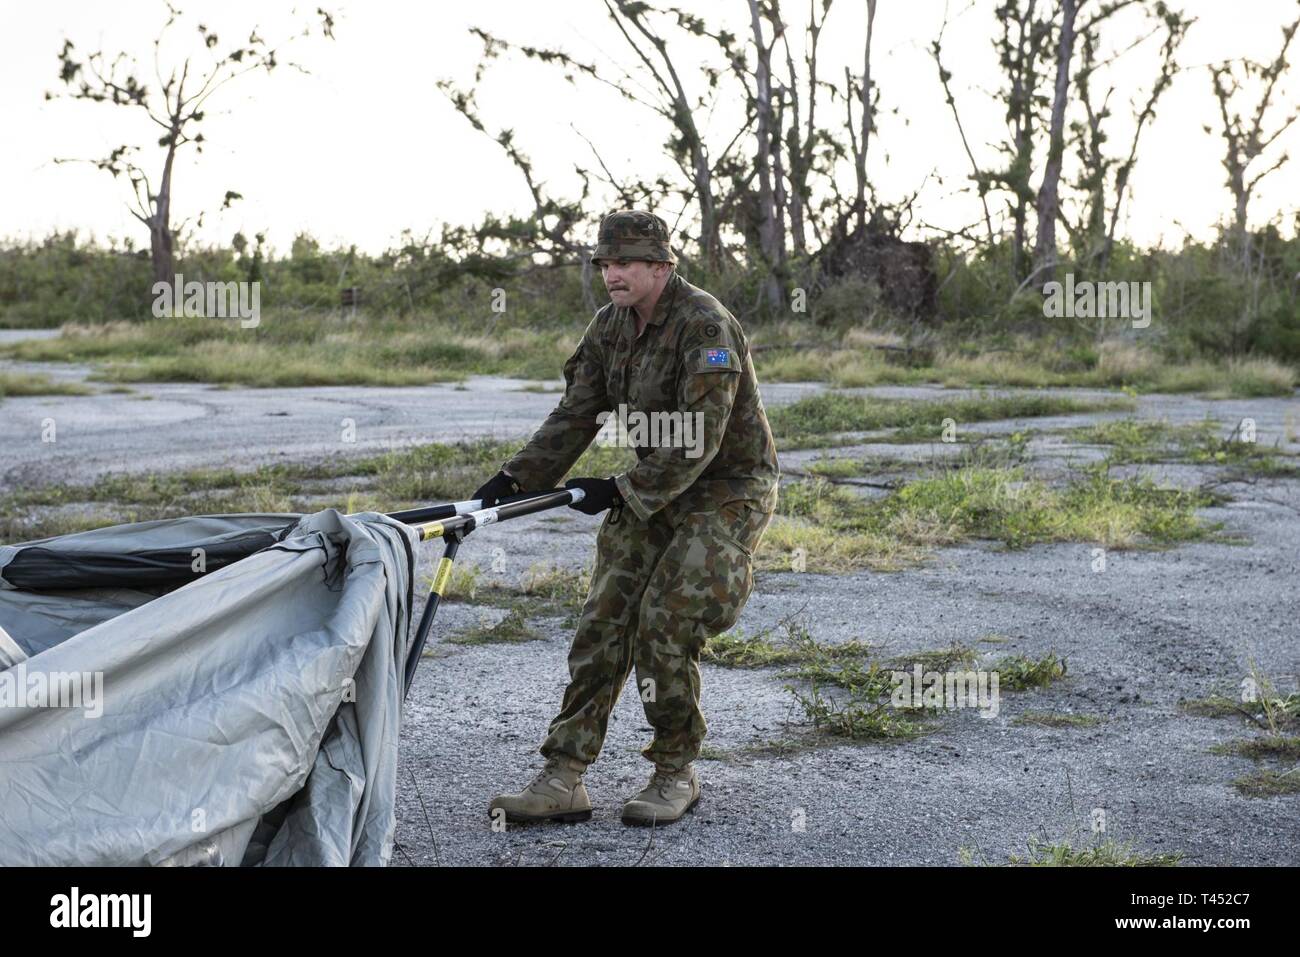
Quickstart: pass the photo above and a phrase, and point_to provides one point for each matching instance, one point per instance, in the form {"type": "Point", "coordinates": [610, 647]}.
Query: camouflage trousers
{"type": "Point", "coordinates": [659, 590]}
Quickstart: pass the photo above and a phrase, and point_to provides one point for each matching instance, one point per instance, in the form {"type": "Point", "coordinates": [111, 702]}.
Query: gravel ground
{"type": "Point", "coordinates": [1153, 628]}
{"type": "Point", "coordinates": [1149, 630]}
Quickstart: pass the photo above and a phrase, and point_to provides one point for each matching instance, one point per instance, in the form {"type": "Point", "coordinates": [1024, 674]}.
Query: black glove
{"type": "Point", "coordinates": [498, 486]}
{"type": "Point", "coordinates": [598, 494]}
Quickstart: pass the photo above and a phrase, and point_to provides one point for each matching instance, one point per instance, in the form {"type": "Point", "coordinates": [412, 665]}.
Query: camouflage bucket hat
{"type": "Point", "coordinates": [633, 234]}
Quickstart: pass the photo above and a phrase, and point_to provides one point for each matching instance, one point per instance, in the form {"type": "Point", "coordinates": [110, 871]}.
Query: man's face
{"type": "Point", "coordinates": [630, 280]}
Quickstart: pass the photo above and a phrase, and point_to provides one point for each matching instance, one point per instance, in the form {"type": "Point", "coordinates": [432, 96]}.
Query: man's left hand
{"type": "Point", "coordinates": [598, 494]}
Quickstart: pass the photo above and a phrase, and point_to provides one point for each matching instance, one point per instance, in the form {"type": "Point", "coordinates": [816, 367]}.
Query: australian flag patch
{"type": "Point", "coordinates": [717, 357]}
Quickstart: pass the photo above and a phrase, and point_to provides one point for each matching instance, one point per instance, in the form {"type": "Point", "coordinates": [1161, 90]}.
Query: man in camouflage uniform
{"type": "Point", "coordinates": [674, 556]}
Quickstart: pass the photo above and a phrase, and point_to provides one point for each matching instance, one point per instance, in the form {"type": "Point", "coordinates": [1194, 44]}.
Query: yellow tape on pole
{"type": "Point", "coordinates": [440, 579]}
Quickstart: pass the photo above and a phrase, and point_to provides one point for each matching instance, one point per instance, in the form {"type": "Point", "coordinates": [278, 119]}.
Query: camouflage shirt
{"type": "Point", "coordinates": [693, 359]}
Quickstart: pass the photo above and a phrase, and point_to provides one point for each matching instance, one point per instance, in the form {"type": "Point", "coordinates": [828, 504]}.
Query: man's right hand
{"type": "Point", "coordinates": [498, 486]}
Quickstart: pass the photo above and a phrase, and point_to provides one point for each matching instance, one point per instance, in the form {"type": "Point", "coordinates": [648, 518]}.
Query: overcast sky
{"type": "Point", "coordinates": [367, 146]}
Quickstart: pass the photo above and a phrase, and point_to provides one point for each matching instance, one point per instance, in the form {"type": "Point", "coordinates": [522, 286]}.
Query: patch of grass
{"type": "Point", "coordinates": [1198, 443]}
{"type": "Point", "coordinates": [1057, 719]}
{"type": "Point", "coordinates": [796, 424]}
{"type": "Point", "coordinates": [1256, 377]}
{"type": "Point", "coordinates": [511, 629]}
{"type": "Point", "coordinates": [1277, 712]}
{"type": "Point", "coordinates": [849, 361]}
{"type": "Point", "coordinates": [862, 707]}
{"type": "Point", "coordinates": [865, 711]}
{"type": "Point", "coordinates": [1269, 783]}
{"type": "Point", "coordinates": [955, 369]}
{"type": "Point", "coordinates": [1273, 712]}
{"type": "Point", "coordinates": [870, 682]}
{"type": "Point", "coordinates": [463, 584]}
{"type": "Point", "coordinates": [303, 348]}
{"type": "Point", "coordinates": [1133, 440]}
{"type": "Point", "coordinates": [25, 384]}
{"type": "Point", "coordinates": [822, 527]}
{"type": "Point", "coordinates": [415, 475]}
{"type": "Point", "coordinates": [542, 590]}
{"type": "Point", "coordinates": [564, 588]}
{"type": "Point", "coordinates": [259, 366]}
{"type": "Point", "coordinates": [1019, 672]}
{"type": "Point", "coordinates": [837, 468]}
{"type": "Point", "coordinates": [940, 659]}
{"type": "Point", "coordinates": [803, 545]}
{"type": "Point", "coordinates": [1124, 364]}
{"type": "Point", "coordinates": [1107, 853]}
{"type": "Point", "coordinates": [842, 368]}
{"type": "Point", "coordinates": [386, 481]}
{"type": "Point", "coordinates": [1259, 749]}
{"type": "Point", "coordinates": [1007, 506]}
{"type": "Point", "coordinates": [1268, 709]}
{"type": "Point", "coordinates": [858, 718]}
{"type": "Point", "coordinates": [736, 650]}
{"type": "Point", "coordinates": [709, 753]}
{"type": "Point", "coordinates": [15, 529]}
{"type": "Point", "coordinates": [1213, 707]}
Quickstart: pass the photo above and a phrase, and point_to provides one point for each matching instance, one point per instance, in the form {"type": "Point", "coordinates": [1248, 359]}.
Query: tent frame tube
{"type": "Point", "coordinates": [453, 524]}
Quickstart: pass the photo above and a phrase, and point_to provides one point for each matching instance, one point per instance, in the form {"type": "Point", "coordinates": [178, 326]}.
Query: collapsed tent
{"type": "Point", "coordinates": [221, 689]}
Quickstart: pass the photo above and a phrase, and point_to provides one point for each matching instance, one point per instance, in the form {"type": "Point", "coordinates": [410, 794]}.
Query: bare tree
{"type": "Point", "coordinates": [771, 242]}
{"type": "Point", "coordinates": [1048, 201]}
{"type": "Point", "coordinates": [1104, 194]}
{"type": "Point", "coordinates": [178, 108]}
{"type": "Point", "coordinates": [801, 141]}
{"type": "Point", "coordinates": [1245, 140]}
{"type": "Point", "coordinates": [860, 147]}
{"type": "Point", "coordinates": [667, 96]}
{"type": "Point", "coordinates": [981, 179]}
{"type": "Point", "coordinates": [1024, 40]}
{"type": "Point", "coordinates": [764, 195]}
{"type": "Point", "coordinates": [1021, 46]}
{"type": "Point", "coordinates": [677, 107]}
{"type": "Point", "coordinates": [548, 230]}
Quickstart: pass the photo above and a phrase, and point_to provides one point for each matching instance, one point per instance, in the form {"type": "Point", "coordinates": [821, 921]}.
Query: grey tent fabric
{"type": "Point", "coordinates": [246, 715]}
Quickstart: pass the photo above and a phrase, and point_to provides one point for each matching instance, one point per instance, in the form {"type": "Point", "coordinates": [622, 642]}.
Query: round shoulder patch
{"type": "Point", "coordinates": [711, 330]}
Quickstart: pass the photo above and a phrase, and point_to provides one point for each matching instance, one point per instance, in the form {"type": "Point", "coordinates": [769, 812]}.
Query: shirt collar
{"type": "Point", "coordinates": [664, 307]}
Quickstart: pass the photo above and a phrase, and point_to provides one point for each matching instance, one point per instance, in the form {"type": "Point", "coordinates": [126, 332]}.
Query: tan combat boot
{"type": "Point", "coordinates": [556, 794]}
{"type": "Point", "coordinates": [668, 796]}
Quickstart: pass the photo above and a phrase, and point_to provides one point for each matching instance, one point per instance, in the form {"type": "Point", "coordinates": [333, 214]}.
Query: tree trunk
{"type": "Point", "coordinates": [1048, 198]}
{"type": "Point", "coordinates": [710, 237]}
{"type": "Point", "coordinates": [860, 205]}
{"type": "Point", "coordinates": [1240, 234]}
{"type": "Point", "coordinates": [161, 241]}
{"type": "Point", "coordinates": [767, 227]}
